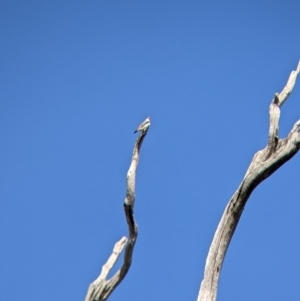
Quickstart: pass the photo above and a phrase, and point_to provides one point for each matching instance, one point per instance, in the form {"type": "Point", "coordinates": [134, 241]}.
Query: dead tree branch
{"type": "Point", "coordinates": [264, 163]}
{"type": "Point", "coordinates": [101, 288]}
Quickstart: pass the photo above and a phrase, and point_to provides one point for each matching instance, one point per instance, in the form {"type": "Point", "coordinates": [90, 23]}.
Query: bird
{"type": "Point", "coordinates": [143, 127]}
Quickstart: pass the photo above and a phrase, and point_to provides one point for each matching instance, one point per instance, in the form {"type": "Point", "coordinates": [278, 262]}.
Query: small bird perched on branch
{"type": "Point", "coordinates": [143, 127]}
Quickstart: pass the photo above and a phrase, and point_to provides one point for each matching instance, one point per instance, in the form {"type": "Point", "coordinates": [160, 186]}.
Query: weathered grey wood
{"type": "Point", "coordinates": [264, 163]}
{"type": "Point", "coordinates": [101, 288]}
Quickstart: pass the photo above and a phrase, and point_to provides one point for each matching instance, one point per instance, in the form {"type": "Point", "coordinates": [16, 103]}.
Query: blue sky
{"type": "Point", "coordinates": [76, 78]}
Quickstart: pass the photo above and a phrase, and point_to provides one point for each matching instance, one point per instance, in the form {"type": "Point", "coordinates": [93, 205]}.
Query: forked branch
{"type": "Point", "coordinates": [264, 163]}
{"type": "Point", "coordinates": [101, 288]}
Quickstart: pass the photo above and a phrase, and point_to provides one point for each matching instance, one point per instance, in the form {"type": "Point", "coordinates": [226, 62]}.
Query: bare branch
{"type": "Point", "coordinates": [275, 105]}
{"type": "Point", "coordinates": [287, 90]}
{"type": "Point", "coordinates": [100, 289]}
{"type": "Point", "coordinates": [264, 163]}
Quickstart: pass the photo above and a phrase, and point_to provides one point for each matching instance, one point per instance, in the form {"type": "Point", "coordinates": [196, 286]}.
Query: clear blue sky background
{"type": "Point", "coordinates": [77, 78]}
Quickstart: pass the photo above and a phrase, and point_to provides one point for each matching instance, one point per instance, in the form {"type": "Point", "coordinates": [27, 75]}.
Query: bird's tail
{"type": "Point", "coordinates": [134, 131]}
